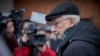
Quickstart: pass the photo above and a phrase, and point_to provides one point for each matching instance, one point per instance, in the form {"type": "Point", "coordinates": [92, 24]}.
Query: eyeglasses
{"type": "Point", "coordinates": [56, 23]}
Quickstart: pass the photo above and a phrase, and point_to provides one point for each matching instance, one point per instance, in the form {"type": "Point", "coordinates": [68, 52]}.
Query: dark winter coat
{"type": "Point", "coordinates": [82, 40]}
{"type": "Point", "coordinates": [54, 43]}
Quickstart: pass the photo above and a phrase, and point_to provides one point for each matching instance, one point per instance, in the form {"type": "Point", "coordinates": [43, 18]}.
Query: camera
{"type": "Point", "coordinates": [34, 38]}
{"type": "Point", "coordinates": [16, 16]}
{"type": "Point", "coordinates": [38, 39]}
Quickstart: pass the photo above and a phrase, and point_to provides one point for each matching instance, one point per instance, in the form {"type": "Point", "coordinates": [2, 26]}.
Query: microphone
{"type": "Point", "coordinates": [20, 11]}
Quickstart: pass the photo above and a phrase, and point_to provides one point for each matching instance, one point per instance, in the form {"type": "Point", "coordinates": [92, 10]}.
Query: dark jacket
{"type": "Point", "coordinates": [82, 40]}
{"type": "Point", "coordinates": [54, 43]}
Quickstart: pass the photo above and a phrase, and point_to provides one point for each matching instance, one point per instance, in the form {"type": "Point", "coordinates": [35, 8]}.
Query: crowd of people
{"type": "Point", "coordinates": [65, 35]}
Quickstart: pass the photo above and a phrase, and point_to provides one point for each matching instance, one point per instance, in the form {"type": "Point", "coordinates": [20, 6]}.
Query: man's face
{"type": "Point", "coordinates": [59, 25]}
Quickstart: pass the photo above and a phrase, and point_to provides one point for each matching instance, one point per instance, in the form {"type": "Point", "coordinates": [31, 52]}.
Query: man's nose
{"type": "Point", "coordinates": [53, 29]}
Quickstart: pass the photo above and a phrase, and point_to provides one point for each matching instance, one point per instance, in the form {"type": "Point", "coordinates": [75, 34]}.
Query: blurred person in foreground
{"type": "Point", "coordinates": [78, 38]}
{"type": "Point", "coordinates": [4, 50]}
{"type": "Point", "coordinates": [8, 35]}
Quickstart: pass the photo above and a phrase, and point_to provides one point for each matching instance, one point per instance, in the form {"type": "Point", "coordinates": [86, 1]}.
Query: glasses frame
{"type": "Point", "coordinates": [56, 23]}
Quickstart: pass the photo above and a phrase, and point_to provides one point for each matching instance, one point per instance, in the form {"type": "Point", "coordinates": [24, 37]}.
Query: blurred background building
{"type": "Point", "coordinates": [89, 9]}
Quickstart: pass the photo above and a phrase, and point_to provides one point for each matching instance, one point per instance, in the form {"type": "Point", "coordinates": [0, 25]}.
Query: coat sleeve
{"type": "Point", "coordinates": [80, 49]}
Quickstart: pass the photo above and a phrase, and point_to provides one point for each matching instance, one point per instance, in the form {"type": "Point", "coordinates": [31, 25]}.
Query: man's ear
{"type": "Point", "coordinates": [72, 22]}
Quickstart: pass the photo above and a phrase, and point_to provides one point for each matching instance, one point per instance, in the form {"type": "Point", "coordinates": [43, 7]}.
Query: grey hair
{"type": "Point", "coordinates": [76, 17]}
